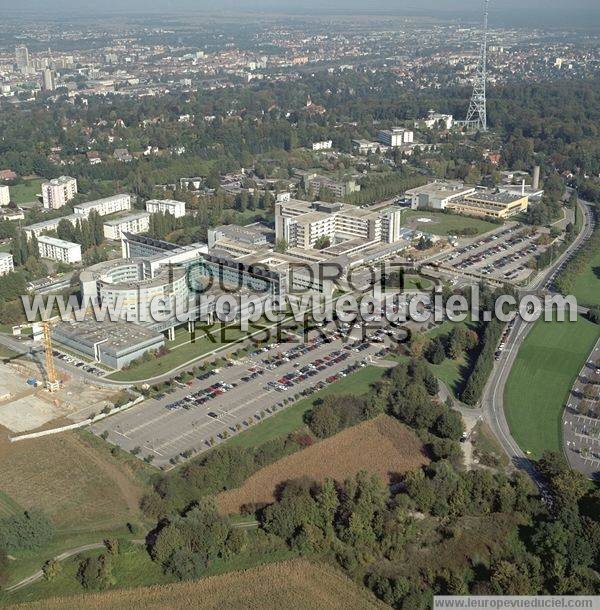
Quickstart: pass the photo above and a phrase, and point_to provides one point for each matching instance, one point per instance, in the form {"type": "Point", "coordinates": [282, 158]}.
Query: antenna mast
{"type": "Point", "coordinates": [477, 113]}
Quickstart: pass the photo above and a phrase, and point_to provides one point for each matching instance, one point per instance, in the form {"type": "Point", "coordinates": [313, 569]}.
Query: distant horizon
{"type": "Point", "coordinates": [544, 13]}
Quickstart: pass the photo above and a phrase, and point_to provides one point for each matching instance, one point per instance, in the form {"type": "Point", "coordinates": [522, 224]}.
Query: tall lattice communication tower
{"type": "Point", "coordinates": [477, 113]}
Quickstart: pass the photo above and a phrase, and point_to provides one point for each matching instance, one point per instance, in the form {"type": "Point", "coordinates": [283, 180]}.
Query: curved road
{"type": "Point", "coordinates": [493, 395]}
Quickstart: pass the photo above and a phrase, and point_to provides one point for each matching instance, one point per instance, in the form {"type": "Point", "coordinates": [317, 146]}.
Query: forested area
{"type": "Point", "coordinates": [445, 530]}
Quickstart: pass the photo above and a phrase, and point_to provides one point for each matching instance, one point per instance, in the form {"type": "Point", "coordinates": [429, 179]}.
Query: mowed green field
{"type": "Point", "coordinates": [541, 379]}
{"type": "Point", "coordinates": [445, 224]}
{"type": "Point", "coordinates": [587, 286]}
{"type": "Point", "coordinates": [26, 191]}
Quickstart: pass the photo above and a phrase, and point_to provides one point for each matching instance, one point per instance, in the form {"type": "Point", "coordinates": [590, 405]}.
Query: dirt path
{"type": "Point", "coordinates": [131, 493]}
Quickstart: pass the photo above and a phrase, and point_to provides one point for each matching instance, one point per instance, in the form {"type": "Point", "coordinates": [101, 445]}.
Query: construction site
{"type": "Point", "coordinates": [35, 395]}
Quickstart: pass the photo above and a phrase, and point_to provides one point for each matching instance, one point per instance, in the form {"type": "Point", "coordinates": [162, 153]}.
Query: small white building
{"type": "Point", "coordinates": [6, 263]}
{"type": "Point", "coordinates": [134, 224]}
{"type": "Point", "coordinates": [104, 207]}
{"type": "Point", "coordinates": [156, 206]}
{"type": "Point", "coordinates": [4, 195]}
{"type": "Point", "coordinates": [59, 249]}
{"type": "Point", "coordinates": [323, 145]}
{"type": "Point", "coordinates": [58, 192]}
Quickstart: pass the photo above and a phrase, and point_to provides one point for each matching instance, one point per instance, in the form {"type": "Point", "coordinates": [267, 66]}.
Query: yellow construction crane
{"type": "Point", "coordinates": [52, 381]}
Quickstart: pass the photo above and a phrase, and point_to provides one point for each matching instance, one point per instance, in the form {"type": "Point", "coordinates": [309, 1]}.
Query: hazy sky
{"type": "Point", "coordinates": [586, 12]}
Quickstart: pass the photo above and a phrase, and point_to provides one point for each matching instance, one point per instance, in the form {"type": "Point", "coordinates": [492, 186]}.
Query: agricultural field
{"type": "Point", "coordinates": [26, 191]}
{"type": "Point", "coordinates": [440, 223]}
{"type": "Point", "coordinates": [73, 484]}
{"type": "Point", "coordinates": [297, 584]}
{"type": "Point", "coordinates": [586, 287]}
{"type": "Point", "coordinates": [541, 379]}
{"type": "Point", "coordinates": [291, 419]}
{"type": "Point", "coordinates": [381, 446]}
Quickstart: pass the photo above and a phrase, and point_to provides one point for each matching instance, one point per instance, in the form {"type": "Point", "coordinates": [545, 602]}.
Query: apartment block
{"type": "Point", "coordinates": [59, 249]}
{"type": "Point", "coordinates": [4, 195]}
{"type": "Point", "coordinates": [106, 206]}
{"type": "Point", "coordinates": [134, 224]}
{"type": "Point", "coordinates": [395, 137]}
{"type": "Point", "coordinates": [6, 263]}
{"type": "Point", "coordinates": [58, 192]}
{"type": "Point", "coordinates": [170, 206]}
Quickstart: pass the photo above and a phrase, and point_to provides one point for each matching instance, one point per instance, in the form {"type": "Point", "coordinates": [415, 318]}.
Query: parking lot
{"type": "Point", "coordinates": [77, 362]}
{"type": "Point", "coordinates": [216, 405]}
{"type": "Point", "coordinates": [505, 256]}
{"type": "Point", "coordinates": [581, 420]}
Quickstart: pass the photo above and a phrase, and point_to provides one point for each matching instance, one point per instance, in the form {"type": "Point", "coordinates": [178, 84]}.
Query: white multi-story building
{"type": "Point", "coordinates": [176, 208]}
{"type": "Point", "coordinates": [58, 192]}
{"type": "Point", "coordinates": [302, 224]}
{"type": "Point", "coordinates": [134, 224]}
{"type": "Point", "coordinates": [397, 136]}
{"type": "Point", "coordinates": [106, 206]}
{"type": "Point", "coordinates": [6, 263]}
{"type": "Point", "coordinates": [323, 145]}
{"type": "Point", "coordinates": [58, 249]}
{"type": "Point", "coordinates": [4, 195]}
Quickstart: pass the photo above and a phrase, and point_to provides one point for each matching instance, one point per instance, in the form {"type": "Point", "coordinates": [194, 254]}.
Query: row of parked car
{"type": "Point", "coordinates": [503, 339]}
{"type": "Point", "coordinates": [201, 397]}
{"type": "Point", "coordinates": [80, 364]}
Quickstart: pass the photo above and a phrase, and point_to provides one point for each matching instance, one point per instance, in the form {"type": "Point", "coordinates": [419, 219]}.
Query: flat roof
{"type": "Point", "coordinates": [92, 204]}
{"type": "Point", "coordinates": [54, 241]}
{"type": "Point", "coordinates": [130, 217]}
{"type": "Point", "coordinates": [115, 337]}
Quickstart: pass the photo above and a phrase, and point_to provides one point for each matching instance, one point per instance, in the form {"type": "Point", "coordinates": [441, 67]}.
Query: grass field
{"type": "Point", "coordinates": [71, 482]}
{"type": "Point", "coordinates": [381, 446]}
{"type": "Point", "coordinates": [541, 379]}
{"type": "Point", "coordinates": [587, 285]}
{"type": "Point", "coordinates": [292, 418]}
{"type": "Point", "coordinates": [8, 506]}
{"type": "Point", "coordinates": [487, 449]}
{"type": "Point", "coordinates": [445, 224]}
{"type": "Point", "coordinates": [26, 191]}
{"type": "Point", "coordinates": [296, 584]}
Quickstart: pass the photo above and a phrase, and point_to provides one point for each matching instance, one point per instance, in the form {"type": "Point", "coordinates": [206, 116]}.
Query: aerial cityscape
{"type": "Point", "coordinates": [300, 305]}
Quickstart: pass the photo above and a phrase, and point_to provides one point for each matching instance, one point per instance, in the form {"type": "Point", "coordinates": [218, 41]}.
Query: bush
{"type": "Point", "coordinates": [29, 530]}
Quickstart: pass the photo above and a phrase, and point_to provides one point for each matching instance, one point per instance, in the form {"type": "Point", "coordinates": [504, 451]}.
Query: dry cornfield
{"type": "Point", "coordinates": [380, 446]}
{"type": "Point", "coordinates": [296, 584]}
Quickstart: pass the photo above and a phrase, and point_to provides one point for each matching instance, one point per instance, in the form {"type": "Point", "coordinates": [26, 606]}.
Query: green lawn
{"type": "Point", "coordinates": [541, 379]}
{"type": "Point", "coordinates": [452, 373]}
{"type": "Point", "coordinates": [445, 224]}
{"type": "Point", "coordinates": [586, 288]}
{"type": "Point", "coordinates": [292, 418]}
{"type": "Point", "coordinates": [182, 351]}
{"type": "Point", "coordinates": [26, 191]}
{"type": "Point", "coordinates": [132, 567]}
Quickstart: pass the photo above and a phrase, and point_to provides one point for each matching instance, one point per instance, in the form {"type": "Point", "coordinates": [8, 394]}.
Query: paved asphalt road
{"type": "Point", "coordinates": [493, 396]}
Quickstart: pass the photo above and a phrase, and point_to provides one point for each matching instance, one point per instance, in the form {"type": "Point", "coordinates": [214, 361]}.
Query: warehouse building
{"type": "Point", "coordinates": [115, 344]}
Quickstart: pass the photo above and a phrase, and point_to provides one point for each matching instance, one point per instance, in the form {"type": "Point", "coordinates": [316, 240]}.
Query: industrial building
{"type": "Point", "coordinates": [115, 344]}
{"type": "Point", "coordinates": [59, 249]}
{"type": "Point", "coordinates": [58, 192]}
{"type": "Point", "coordinates": [6, 263]}
{"type": "Point", "coordinates": [166, 206]}
{"type": "Point", "coordinates": [133, 223]}
{"type": "Point", "coordinates": [460, 199]}
{"type": "Point", "coordinates": [104, 207]}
